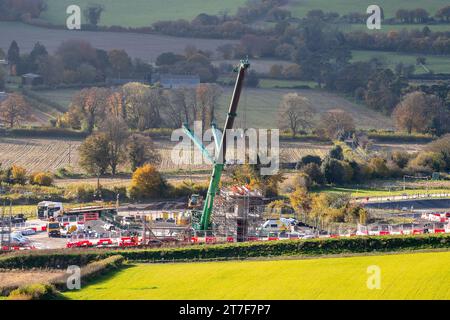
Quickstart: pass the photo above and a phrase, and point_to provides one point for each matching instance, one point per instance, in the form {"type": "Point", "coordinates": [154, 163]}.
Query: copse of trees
{"type": "Point", "coordinates": [75, 62]}
{"type": "Point", "coordinates": [18, 9]}
{"type": "Point", "coordinates": [341, 166]}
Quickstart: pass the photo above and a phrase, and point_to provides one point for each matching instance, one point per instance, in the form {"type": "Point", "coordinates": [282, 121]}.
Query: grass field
{"type": "Point", "coordinates": [356, 192]}
{"type": "Point", "coordinates": [299, 8]}
{"type": "Point", "coordinates": [403, 276]}
{"type": "Point", "coordinates": [140, 13]}
{"type": "Point", "coordinates": [438, 64]}
{"type": "Point", "coordinates": [259, 108]}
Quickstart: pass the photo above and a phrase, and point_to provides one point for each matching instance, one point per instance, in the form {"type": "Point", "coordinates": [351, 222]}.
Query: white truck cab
{"type": "Point", "coordinates": [49, 209]}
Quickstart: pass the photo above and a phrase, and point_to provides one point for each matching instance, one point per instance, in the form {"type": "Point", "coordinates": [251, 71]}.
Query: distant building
{"type": "Point", "coordinates": [32, 79]}
{"type": "Point", "coordinates": [173, 81]}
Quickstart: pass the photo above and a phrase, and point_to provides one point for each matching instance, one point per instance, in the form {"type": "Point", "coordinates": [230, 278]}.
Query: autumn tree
{"type": "Point", "coordinates": [14, 110]}
{"type": "Point", "coordinates": [337, 123]}
{"type": "Point", "coordinates": [90, 104]}
{"type": "Point", "coordinates": [300, 201]}
{"type": "Point", "coordinates": [141, 150]}
{"type": "Point", "coordinates": [94, 153]}
{"type": "Point", "coordinates": [295, 113]}
{"type": "Point", "coordinates": [18, 174]}
{"type": "Point", "coordinates": [143, 105]}
{"type": "Point", "coordinates": [147, 183]}
{"type": "Point", "coordinates": [420, 112]}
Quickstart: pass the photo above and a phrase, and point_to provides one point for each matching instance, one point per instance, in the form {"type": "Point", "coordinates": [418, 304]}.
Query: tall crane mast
{"type": "Point", "coordinates": [219, 160]}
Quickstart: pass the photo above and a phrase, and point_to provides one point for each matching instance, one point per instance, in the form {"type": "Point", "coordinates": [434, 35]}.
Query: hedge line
{"type": "Point", "coordinates": [44, 132]}
{"type": "Point", "coordinates": [64, 258]}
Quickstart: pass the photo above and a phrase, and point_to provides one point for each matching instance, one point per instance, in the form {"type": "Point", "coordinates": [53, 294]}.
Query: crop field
{"type": "Point", "coordinates": [299, 8]}
{"type": "Point", "coordinates": [50, 154]}
{"type": "Point", "coordinates": [144, 46]}
{"type": "Point", "coordinates": [36, 154]}
{"type": "Point", "coordinates": [403, 276]}
{"type": "Point", "coordinates": [141, 13]}
{"type": "Point", "coordinates": [437, 64]}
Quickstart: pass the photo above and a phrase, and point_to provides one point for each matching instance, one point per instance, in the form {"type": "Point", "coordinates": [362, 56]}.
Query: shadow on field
{"type": "Point", "coordinates": [103, 277]}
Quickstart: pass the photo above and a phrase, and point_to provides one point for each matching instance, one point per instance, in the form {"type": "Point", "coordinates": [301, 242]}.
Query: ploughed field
{"type": "Point", "coordinates": [402, 276]}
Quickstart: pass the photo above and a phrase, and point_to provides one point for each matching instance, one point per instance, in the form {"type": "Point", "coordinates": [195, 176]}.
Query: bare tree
{"type": "Point", "coordinates": [336, 123]}
{"type": "Point", "coordinates": [208, 95]}
{"type": "Point", "coordinates": [295, 113]}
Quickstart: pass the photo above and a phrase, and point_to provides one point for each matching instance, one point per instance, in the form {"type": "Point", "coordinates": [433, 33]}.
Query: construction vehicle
{"type": "Point", "coordinates": [202, 220]}
{"type": "Point", "coordinates": [195, 201]}
{"type": "Point", "coordinates": [53, 228]}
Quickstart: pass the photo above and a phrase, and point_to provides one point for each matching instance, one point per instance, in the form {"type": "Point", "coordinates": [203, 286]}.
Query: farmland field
{"type": "Point", "coordinates": [437, 64]}
{"type": "Point", "coordinates": [259, 106]}
{"type": "Point", "coordinates": [141, 13]}
{"type": "Point", "coordinates": [403, 276]}
{"type": "Point", "coordinates": [36, 154]}
{"type": "Point", "coordinates": [144, 46]}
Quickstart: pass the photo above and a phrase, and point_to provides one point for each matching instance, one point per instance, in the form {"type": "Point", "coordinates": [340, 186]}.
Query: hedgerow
{"type": "Point", "coordinates": [62, 258]}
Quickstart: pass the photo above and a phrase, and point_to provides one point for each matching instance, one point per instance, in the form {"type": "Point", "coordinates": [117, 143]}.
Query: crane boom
{"type": "Point", "coordinates": [219, 161]}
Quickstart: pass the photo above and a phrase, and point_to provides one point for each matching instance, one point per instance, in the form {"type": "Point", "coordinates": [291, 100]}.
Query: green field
{"type": "Point", "coordinates": [355, 192]}
{"type": "Point", "coordinates": [438, 64]}
{"type": "Point", "coordinates": [300, 7]}
{"type": "Point", "coordinates": [403, 276]}
{"type": "Point", "coordinates": [139, 13]}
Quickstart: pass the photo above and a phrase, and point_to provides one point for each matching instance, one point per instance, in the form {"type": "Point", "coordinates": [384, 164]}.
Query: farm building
{"type": "Point", "coordinates": [32, 79]}
{"type": "Point", "coordinates": [174, 81]}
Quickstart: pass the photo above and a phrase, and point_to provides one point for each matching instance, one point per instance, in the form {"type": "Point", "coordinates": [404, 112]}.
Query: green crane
{"type": "Point", "coordinates": [219, 160]}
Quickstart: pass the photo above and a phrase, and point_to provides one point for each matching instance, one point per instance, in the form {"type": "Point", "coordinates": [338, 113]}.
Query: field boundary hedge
{"type": "Point", "coordinates": [52, 259]}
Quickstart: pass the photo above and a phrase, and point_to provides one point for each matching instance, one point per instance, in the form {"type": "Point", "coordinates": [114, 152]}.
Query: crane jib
{"type": "Point", "coordinates": [220, 160]}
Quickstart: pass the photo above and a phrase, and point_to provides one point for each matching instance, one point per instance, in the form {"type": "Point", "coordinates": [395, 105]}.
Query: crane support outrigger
{"type": "Point", "coordinates": [219, 160]}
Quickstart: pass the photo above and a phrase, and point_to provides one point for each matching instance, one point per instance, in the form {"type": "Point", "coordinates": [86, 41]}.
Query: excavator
{"type": "Point", "coordinates": [202, 219]}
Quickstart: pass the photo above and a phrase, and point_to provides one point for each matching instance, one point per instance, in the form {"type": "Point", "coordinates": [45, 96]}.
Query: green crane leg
{"type": "Point", "coordinates": [209, 201]}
